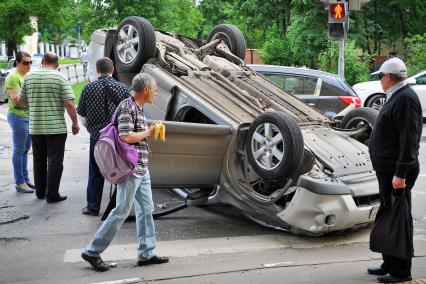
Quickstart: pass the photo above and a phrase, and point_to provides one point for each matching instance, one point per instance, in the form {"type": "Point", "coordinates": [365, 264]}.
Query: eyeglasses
{"type": "Point", "coordinates": [27, 63]}
{"type": "Point", "coordinates": [381, 75]}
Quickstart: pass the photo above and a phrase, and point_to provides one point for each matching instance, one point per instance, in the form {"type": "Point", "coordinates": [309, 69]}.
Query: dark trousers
{"type": "Point", "coordinates": [95, 184]}
{"type": "Point", "coordinates": [48, 153]}
{"type": "Point", "coordinates": [397, 267]}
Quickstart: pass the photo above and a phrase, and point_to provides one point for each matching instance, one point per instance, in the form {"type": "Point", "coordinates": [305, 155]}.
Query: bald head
{"type": "Point", "coordinates": [50, 59]}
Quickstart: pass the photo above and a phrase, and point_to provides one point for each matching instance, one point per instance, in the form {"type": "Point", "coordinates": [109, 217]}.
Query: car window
{"type": "Point", "coordinates": [421, 80]}
{"type": "Point", "coordinates": [330, 90]}
{"type": "Point", "coordinates": [310, 86]}
{"type": "Point", "coordinates": [276, 78]}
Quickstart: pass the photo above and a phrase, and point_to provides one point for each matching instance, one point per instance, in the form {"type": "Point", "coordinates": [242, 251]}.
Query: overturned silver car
{"type": "Point", "coordinates": [240, 139]}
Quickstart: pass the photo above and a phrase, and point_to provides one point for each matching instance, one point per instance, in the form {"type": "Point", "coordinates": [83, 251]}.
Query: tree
{"type": "Point", "coordinates": [387, 22]}
{"type": "Point", "coordinates": [307, 33]}
{"type": "Point", "coordinates": [276, 50]}
{"type": "Point", "coordinates": [180, 16]}
{"type": "Point", "coordinates": [416, 60]}
{"type": "Point", "coordinates": [356, 63]}
{"type": "Point", "coordinates": [17, 13]}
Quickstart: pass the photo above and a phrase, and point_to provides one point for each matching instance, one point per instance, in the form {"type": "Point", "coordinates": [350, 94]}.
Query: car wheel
{"type": "Point", "coordinates": [377, 101]}
{"type": "Point", "coordinates": [360, 117]}
{"type": "Point", "coordinates": [274, 145]}
{"type": "Point", "coordinates": [134, 44]}
{"type": "Point", "coordinates": [232, 36]}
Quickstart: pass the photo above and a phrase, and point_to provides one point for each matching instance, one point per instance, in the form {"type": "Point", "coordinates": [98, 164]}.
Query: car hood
{"type": "Point", "coordinates": [339, 154]}
{"type": "Point", "coordinates": [370, 86]}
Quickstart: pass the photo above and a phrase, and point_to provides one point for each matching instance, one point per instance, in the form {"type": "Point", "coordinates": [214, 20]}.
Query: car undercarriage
{"type": "Point", "coordinates": [239, 139]}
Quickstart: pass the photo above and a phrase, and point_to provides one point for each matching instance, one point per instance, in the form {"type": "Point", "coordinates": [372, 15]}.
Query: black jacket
{"type": "Point", "coordinates": [395, 140]}
{"type": "Point", "coordinates": [98, 102]}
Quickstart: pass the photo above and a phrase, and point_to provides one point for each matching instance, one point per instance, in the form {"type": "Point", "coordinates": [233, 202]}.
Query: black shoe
{"type": "Point", "coordinates": [377, 271]}
{"type": "Point", "coordinates": [96, 262]}
{"type": "Point", "coordinates": [30, 185]}
{"type": "Point", "coordinates": [56, 199]}
{"type": "Point", "coordinates": [153, 260]}
{"type": "Point", "coordinates": [393, 279]}
{"type": "Point", "coordinates": [87, 211]}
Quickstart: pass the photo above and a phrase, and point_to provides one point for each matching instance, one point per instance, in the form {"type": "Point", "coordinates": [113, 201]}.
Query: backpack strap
{"type": "Point", "coordinates": [129, 101]}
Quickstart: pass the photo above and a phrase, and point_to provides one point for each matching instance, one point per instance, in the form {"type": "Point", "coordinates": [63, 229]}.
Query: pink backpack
{"type": "Point", "coordinates": [116, 160]}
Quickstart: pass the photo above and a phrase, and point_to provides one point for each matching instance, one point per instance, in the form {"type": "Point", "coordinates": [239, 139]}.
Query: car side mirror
{"type": "Point", "coordinates": [411, 81]}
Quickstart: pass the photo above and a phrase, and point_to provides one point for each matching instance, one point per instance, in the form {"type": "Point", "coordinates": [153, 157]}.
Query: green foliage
{"type": "Point", "coordinates": [180, 16]}
{"type": "Point", "coordinates": [276, 50]}
{"type": "Point", "coordinates": [3, 64]}
{"type": "Point", "coordinates": [69, 61]}
{"type": "Point", "coordinates": [15, 18]}
{"type": "Point", "coordinates": [307, 33]}
{"type": "Point", "coordinates": [416, 60]}
{"type": "Point", "coordinates": [356, 63]}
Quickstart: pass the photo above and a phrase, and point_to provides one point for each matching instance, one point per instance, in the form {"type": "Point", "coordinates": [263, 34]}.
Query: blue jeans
{"type": "Point", "coordinates": [137, 190]}
{"type": "Point", "coordinates": [21, 146]}
{"type": "Point", "coordinates": [95, 184]}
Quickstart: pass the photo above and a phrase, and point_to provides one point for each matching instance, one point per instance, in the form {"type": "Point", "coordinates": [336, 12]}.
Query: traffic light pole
{"type": "Point", "coordinates": [341, 62]}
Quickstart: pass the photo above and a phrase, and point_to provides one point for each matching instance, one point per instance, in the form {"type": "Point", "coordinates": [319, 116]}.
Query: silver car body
{"type": "Point", "coordinates": [208, 99]}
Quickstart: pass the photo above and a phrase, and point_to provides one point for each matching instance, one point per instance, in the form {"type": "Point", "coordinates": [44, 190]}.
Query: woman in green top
{"type": "Point", "coordinates": [18, 119]}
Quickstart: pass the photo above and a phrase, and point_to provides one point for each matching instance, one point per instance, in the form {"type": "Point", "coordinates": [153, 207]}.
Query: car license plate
{"type": "Point", "coordinates": [373, 212]}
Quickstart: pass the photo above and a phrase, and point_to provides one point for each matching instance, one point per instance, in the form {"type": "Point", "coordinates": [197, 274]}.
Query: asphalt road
{"type": "Point", "coordinates": [213, 244]}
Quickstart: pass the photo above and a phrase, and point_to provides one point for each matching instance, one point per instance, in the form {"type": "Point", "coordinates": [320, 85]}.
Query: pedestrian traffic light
{"type": "Point", "coordinates": [337, 20]}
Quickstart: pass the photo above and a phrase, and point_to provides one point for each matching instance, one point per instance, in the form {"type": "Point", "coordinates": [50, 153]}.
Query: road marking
{"type": "Point", "coordinates": [3, 117]}
{"type": "Point", "coordinates": [195, 247]}
{"type": "Point", "coordinates": [277, 264]}
{"type": "Point", "coordinates": [122, 281]}
{"type": "Point", "coordinates": [211, 246]}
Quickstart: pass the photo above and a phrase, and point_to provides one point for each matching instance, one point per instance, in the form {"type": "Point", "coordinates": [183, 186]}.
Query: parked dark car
{"type": "Point", "coordinates": [324, 91]}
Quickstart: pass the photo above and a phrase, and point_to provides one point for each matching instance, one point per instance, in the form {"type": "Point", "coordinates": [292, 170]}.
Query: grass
{"type": "Point", "coordinates": [69, 61]}
{"type": "Point", "coordinates": [77, 88]}
{"type": "Point", "coordinates": [3, 64]}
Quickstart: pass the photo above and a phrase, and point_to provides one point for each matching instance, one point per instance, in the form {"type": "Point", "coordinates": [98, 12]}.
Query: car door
{"type": "Point", "coordinates": [420, 88]}
{"type": "Point", "coordinates": [196, 140]}
{"type": "Point", "coordinates": [191, 156]}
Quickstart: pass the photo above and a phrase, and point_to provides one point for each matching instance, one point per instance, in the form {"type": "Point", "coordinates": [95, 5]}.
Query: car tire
{"type": "Point", "coordinates": [359, 115]}
{"type": "Point", "coordinates": [232, 36]}
{"type": "Point", "coordinates": [376, 101]}
{"type": "Point", "coordinates": [290, 145]}
{"type": "Point", "coordinates": [134, 44]}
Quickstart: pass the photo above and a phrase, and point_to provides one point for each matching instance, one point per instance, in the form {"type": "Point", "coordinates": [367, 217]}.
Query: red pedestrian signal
{"type": "Point", "coordinates": [337, 12]}
{"type": "Point", "coordinates": [337, 20]}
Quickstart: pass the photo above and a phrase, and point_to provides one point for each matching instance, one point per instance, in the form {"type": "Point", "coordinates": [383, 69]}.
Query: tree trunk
{"type": "Point", "coordinates": [11, 48]}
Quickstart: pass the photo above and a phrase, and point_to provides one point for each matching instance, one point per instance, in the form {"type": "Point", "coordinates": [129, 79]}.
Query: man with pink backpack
{"type": "Point", "coordinates": [132, 129]}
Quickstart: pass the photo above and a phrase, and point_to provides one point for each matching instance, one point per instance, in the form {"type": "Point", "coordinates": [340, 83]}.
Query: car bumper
{"type": "Point", "coordinates": [318, 214]}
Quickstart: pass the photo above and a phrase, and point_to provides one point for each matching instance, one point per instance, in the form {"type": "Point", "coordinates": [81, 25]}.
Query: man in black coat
{"type": "Point", "coordinates": [394, 150]}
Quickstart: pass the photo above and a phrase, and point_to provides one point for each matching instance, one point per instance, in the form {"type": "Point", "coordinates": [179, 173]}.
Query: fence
{"type": "Point", "coordinates": [73, 72]}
